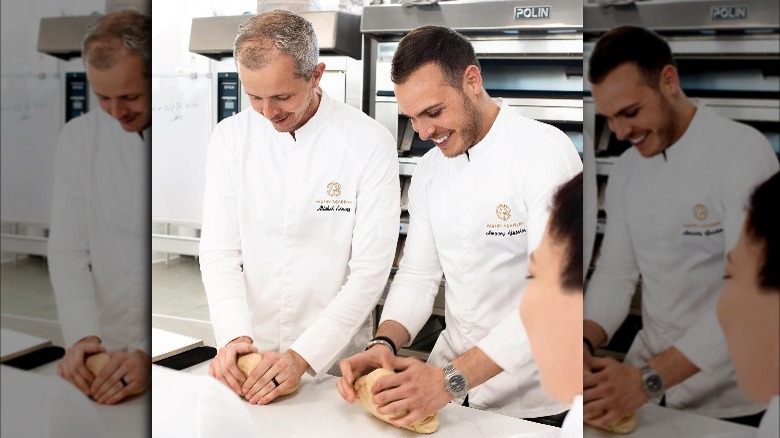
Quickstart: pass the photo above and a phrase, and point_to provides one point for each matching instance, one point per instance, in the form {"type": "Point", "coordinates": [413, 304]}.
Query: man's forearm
{"type": "Point", "coordinates": [300, 362]}
{"type": "Point", "coordinates": [673, 367]}
{"type": "Point", "coordinates": [593, 332]}
{"type": "Point", "coordinates": [395, 331]}
{"type": "Point", "coordinates": [476, 366]}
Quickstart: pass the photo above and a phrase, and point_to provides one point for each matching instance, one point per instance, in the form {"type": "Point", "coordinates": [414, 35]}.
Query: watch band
{"type": "Point", "coordinates": [384, 340]}
{"type": "Point", "coordinates": [652, 382]}
{"type": "Point", "coordinates": [455, 382]}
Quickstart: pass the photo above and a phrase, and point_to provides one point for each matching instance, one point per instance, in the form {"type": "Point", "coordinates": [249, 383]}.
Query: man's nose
{"type": "Point", "coordinates": [621, 129]}
{"type": "Point", "coordinates": [118, 109]}
{"type": "Point", "coordinates": [424, 130]}
{"type": "Point", "coordinates": [270, 110]}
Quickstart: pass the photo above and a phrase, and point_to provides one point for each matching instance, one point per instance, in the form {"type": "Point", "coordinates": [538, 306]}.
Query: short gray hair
{"type": "Point", "coordinates": [286, 31]}
{"type": "Point", "coordinates": [126, 29]}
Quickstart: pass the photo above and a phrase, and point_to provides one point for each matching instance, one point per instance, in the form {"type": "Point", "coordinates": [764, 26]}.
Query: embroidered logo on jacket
{"type": "Point", "coordinates": [699, 229]}
{"type": "Point", "coordinates": [503, 212]}
{"type": "Point", "coordinates": [333, 189]}
{"type": "Point", "coordinates": [503, 229]}
{"type": "Point", "coordinates": [700, 212]}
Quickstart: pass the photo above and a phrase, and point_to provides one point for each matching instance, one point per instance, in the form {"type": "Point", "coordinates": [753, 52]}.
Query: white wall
{"type": "Point", "coordinates": [31, 108]}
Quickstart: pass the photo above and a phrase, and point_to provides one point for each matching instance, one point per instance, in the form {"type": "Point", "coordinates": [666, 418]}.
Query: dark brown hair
{"type": "Point", "coordinates": [439, 45]}
{"type": "Point", "coordinates": [637, 45]}
{"type": "Point", "coordinates": [566, 229]}
{"type": "Point", "coordinates": [762, 225]}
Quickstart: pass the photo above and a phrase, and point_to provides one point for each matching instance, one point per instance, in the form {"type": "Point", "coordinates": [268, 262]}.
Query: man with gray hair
{"type": "Point", "coordinates": [300, 216]}
{"type": "Point", "coordinates": [98, 244]}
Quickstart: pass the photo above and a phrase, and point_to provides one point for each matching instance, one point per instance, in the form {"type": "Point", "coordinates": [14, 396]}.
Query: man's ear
{"type": "Point", "coordinates": [669, 80]}
{"type": "Point", "coordinates": [472, 80]}
{"type": "Point", "coordinates": [319, 70]}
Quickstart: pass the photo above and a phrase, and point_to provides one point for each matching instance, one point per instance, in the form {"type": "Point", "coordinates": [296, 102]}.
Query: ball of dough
{"type": "Point", "coordinates": [623, 425]}
{"type": "Point", "coordinates": [247, 364]}
{"type": "Point", "coordinates": [96, 362]}
{"type": "Point", "coordinates": [363, 387]}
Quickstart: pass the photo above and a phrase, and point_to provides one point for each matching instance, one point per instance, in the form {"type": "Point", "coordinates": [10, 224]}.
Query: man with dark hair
{"type": "Point", "coordinates": [98, 261]}
{"type": "Point", "coordinates": [479, 203]}
{"type": "Point", "coordinates": [300, 216]}
{"type": "Point", "coordinates": [675, 205]}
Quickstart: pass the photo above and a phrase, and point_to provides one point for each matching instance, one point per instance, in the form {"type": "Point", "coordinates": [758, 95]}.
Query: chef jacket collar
{"type": "Point", "coordinates": [309, 129]}
{"type": "Point", "coordinates": [688, 136]}
{"type": "Point", "coordinates": [482, 147]}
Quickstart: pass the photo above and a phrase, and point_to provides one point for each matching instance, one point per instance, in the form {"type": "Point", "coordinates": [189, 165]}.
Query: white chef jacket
{"type": "Point", "coordinates": [571, 428]}
{"type": "Point", "coordinates": [476, 218]}
{"type": "Point", "coordinates": [770, 423]}
{"type": "Point", "coordinates": [672, 219]}
{"type": "Point", "coordinates": [98, 247]}
{"type": "Point", "coordinates": [299, 235]}
{"type": "Point", "coordinates": [192, 406]}
{"type": "Point", "coordinates": [572, 424]}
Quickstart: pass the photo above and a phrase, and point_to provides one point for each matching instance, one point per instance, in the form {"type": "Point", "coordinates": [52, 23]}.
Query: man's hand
{"type": "Point", "coordinates": [613, 390]}
{"type": "Point", "coordinates": [378, 356]}
{"type": "Point", "coordinates": [71, 367]}
{"type": "Point", "coordinates": [418, 389]}
{"type": "Point", "coordinates": [133, 368]}
{"type": "Point", "coordinates": [287, 368]}
{"type": "Point", "coordinates": [224, 367]}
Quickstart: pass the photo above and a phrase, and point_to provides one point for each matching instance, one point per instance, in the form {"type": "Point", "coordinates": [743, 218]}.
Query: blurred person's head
{"type": "Point", "coordinates": [438, 85]}
{"type": "Point", "coordinates": [117, 52]}
{"type": "Point", "coordinates": [551, 307]}
{"type": "Point", "coordinates": [277, 56]}
{"type": "Point", "coordinates": [636, 87]}
{"type": "Point", "coordinates": [749, 308]}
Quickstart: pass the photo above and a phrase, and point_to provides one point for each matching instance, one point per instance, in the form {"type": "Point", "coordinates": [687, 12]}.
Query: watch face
{"type": "Point", "coordinates": [457, 383]}
{"type": "Point", "coordinates": [654, 384]}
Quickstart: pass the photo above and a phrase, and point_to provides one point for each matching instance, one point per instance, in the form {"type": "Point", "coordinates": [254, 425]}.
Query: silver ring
{"type": "Point", "coordinates": [122, 381]}
{"type": "Point", "coordinates": [276, 383]}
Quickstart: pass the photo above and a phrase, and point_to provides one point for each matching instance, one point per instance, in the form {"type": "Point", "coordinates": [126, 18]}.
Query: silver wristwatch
{"type": "Point", "coordinates": [455, 381]}
{"type": "Point", "coordinates": [652, 382]}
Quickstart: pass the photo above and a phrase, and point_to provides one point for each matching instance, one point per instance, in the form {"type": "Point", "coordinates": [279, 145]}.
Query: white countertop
{"type": "Point", "coordinates": [654, 421]}
{"type": "Point", "coordinates": [127, 419]}
{"type": "Point", "coordinates": [317, 409]}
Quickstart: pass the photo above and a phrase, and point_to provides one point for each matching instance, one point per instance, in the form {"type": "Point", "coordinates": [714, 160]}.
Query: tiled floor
{"type": "Point", "coordinates": [177, 289]}
{"type": "Point", "coordinates": [26, 290]}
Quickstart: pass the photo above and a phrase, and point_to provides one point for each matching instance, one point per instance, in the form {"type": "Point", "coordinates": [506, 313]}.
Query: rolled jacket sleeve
{"type": "Point", "coordinates": [704, 344]}
{"type": "Point", "coordinates": [507, 344]}
{"type": "Point", "coordinates": [374, 239]}
{"type": "Point", "coordinates": [415, 285]}
{"type": "Point", "coordinates": [608, 298]}
{"type": "Point", "coordinates": [221, 263]}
